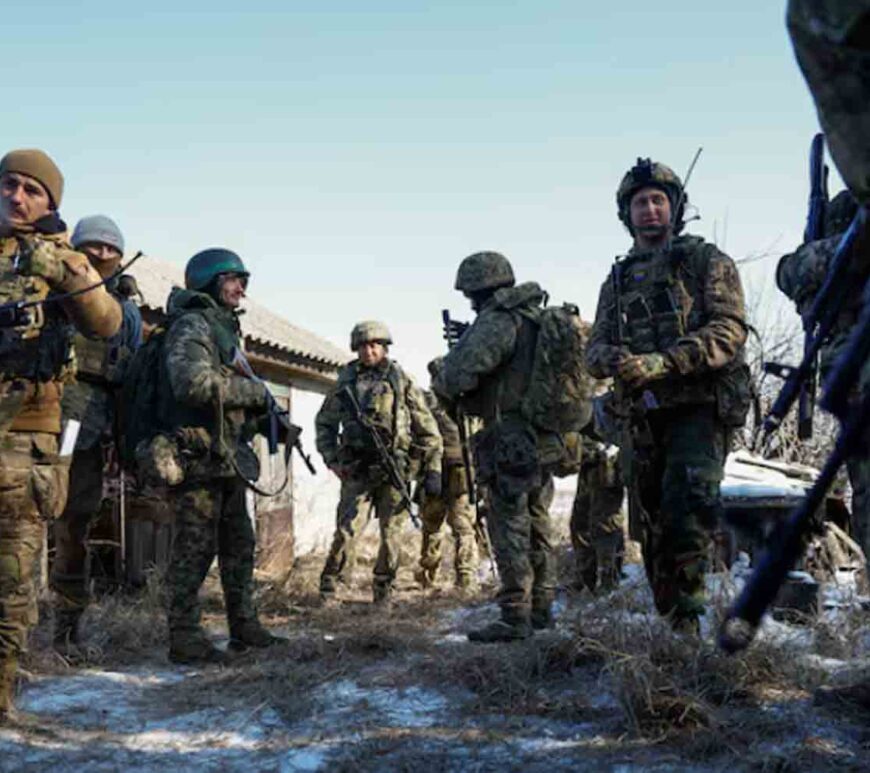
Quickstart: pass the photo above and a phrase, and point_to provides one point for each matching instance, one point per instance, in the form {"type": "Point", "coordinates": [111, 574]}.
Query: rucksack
{"type": "Point", "coordinates": [560, 390]}
{"type": "Point", "coordinates": [139, 405]}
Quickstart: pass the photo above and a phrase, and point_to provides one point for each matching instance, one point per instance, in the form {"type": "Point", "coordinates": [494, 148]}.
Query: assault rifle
{"type": "Point", "coordinates": [789, 541]}
{"type": "Point", "coordinates": [277, 416]}
{"type": "Point", "coordinates": [810, 322]}
{"type": "Point", "coordinates": [453, 330]}
{"type": "Point", "coordinates": [397, 481]}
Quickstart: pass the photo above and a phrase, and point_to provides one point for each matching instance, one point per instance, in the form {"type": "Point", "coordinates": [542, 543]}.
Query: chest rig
{"type": "Point", "coordinates": [380, 394]}
{"type": "Point", "coordinates": [35, 343]}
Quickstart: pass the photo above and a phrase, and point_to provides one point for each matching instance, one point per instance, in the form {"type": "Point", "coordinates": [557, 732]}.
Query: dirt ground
{"type": "Point", "coordinates": [358, 688]}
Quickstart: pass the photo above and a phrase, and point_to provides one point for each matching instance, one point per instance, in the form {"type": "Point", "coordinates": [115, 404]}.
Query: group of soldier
{"type": "Point", "coordinates": [667, 345]}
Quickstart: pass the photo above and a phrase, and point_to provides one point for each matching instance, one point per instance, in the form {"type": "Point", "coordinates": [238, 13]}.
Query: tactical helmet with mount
{"type": "Point", "coordinates": [370, 330]}
{"type": "Point", "coordinates": [651, 174]}
{"type": "Point", "coordinates": [484, 271]}
{"type": "Point", "coordinates": [204, 267]}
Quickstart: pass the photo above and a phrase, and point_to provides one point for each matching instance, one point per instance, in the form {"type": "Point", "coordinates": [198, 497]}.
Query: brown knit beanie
{"type": "Point", "coordinates": [35, 164]}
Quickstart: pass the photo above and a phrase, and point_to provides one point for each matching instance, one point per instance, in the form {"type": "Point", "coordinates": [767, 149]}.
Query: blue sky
{"type": "Point", "coordinates": [354, 153]}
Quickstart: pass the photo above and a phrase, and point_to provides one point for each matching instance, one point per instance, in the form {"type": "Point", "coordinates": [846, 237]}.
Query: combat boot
{"type": "Point", "coordinates": [382, 595]}
{"type": "Point", "coordinates": [193, 646]}
{"type": "Point", "coordinates": [513, 626]}
{"type": "Point", "coordinates": [425, 577]}
{"type": "Point", "coordinates": [542, 617]}
{"type": "Point", "coordinates": [252, 633]}
{"type": "Point", "coordinates": [8, 670]}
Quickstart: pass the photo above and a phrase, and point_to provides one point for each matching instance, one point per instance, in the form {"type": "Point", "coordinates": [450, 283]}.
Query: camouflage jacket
{"type": "Point", "coordinates": [201, 384]}
{"type": "Point", "coordinates": [448, 428]}
{"type": "Point", "coordinates": [394, 405]}
{"type": "Point", "coordinates": [100, 368]}
{"type": "Point", "coordinates": [36, 355]}
{"type": "Point", "coordinates": [800, 275]}
{"type": "Point", "coordinates": [687, 304]}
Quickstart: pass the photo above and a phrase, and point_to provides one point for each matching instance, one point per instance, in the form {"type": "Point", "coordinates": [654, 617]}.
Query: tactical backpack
{"type": "Point", "coordinates": [560, 389]}
{"type": "Point", "coordinates": [139, 406]}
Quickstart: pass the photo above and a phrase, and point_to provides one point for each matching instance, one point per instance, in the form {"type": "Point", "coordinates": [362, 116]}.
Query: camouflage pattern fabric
{"type": "Point", "coordinates": [32, 491]}
{"type": "Point", "coordinates": [210, 520]}
{"type": "Point", "coordinates": [832, 46]}
{"type": "Point", "coordinates": [394, 404]}
{"type": "Point", "coordinates": [454, 507]}
{"type": "Point", "coordinates": [357, 497]}
{"type": "Point", "coordinates": [597, 520]}
{"type": "Point", "coordinates": [71, 529]}
{"type": "Point", "coordinates": [488, 370]}
{"type": "Point", "coordinates": [674, 477]}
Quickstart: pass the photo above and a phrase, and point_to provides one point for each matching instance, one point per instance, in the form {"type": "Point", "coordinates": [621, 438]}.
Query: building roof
{"type": "Point", "coordinates": [266, 330]}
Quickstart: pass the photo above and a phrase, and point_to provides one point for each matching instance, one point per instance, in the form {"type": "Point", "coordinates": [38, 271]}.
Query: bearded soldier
{"type": "Point", "coordinates": [38, 267]}
{"type": "Point", "coordinates": [488, 371]}
{"type": "Point", "coordinates": [209, 412]}
{"type": "Point", "coordinates": [451, 505]}
{"type": "Point", "coordinates": [100, 367]}
{"type": "Point", "coordinates": [670, 329]}
{"type": "Point", "coordinates": [373, 395]}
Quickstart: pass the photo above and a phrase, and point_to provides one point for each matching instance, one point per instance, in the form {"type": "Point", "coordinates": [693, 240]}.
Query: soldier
{"type": "Point", "coordinates": [832, 47]}
{"type": "Point", "coordinates": [36, 265]}
{"type": "Point", "coordinates": [394, 406]}
{"type": "Point", "coordinates": [597, 521]}
{"type": "Point", "coordinates": [452, 505]}
{"type": "Point", "coordinates": [488, 371]}
{"type": "Point", "coordinates": [670, 329]}
{"type": "Point", "coordinates": [210, 413]}
{"type": "Point", "coordinates": [100, 366]}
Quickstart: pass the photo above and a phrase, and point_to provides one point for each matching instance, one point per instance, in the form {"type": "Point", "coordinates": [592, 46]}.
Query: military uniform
{"type": "Point", "coordinates": [395, 406]}
{"type": "Point", "coordinates": [597, 520]}
{"type": "Point", "coordinates": [100, 367]}
{"type": "Point", "coordinates": [35, 263]}
{"type": "Point", "coordinates": [452, 505]}
{"type": "Point", "coordinates": [489, 370]}
{"type": "Point", "coordinates": [681, 310]}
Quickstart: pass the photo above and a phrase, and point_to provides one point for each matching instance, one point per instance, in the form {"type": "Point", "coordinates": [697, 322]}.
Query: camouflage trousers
{"type": "Point", "coordinates": [523, 541]}
{"type": "Point", "coordinates": [597, 521]}
{"type": "Point", "coordinates": [211, 519]}
{"type": "Point", "coordinates": [356, 499]}
{"type": "Point", "coordinates": [858, 466]}
{"type": "Point", "coordinates": [71, 529]}
{"type": "Point", "coordinates": [32, 491]}
{"type": "Point", "coordinates": [675, 474]}
{"type": "Point", "coordinates": [454, 507]}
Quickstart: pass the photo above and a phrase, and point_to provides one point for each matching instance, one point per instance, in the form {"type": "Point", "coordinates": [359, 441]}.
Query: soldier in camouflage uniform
{"type": "Point", "coordinates": [100, 367]}
{"type": "Point", "coordinates": [489, 371]}
{"type": "Point", "coordinates": [597, 521]}
{"type": "Point", "coordinates": [36, 264]}
{"type": "Point", "coordinates": [452, 505]}
{"type": "Point", "coordinates": [396, 408]}
{"type": "Point", "coordinates": [832, 45]}
{"type": "Point", "coordinates": [209, 413]}
{"type": "Point", "coordinates": [670, 329]}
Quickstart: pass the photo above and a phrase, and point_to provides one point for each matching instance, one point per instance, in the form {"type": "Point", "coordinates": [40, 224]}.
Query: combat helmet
{"type": "Point", "coordinates": [647, 173]}
{"type": "Point", "coordinates": [484, 271]}
{"type": "Point", "coordinates": [205, 266]}
{"type": "Point", "coordinates": [369, 330]}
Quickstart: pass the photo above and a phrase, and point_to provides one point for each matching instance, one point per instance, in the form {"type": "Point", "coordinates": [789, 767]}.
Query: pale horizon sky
{"type": "Point", "coordinates": [354, 153]}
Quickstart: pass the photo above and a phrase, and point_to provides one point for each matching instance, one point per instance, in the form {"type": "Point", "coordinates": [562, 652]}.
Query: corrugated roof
{"type": "Point", "coordinates": [157, 277]}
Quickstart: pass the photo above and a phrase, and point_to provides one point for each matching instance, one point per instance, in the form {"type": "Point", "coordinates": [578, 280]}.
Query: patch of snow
{"type": "Point", "coordinates": [415, 707]}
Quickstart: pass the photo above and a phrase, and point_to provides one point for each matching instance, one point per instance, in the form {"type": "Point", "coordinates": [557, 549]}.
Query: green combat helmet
{"type": "Point", "coordinates": [484, 271]}
{"type": "Point", "coordinates": [646, 173]}
{"type": "Point", "coordinates": [203, 267]}
{"type": "Point", "coordinates": [367, 331]}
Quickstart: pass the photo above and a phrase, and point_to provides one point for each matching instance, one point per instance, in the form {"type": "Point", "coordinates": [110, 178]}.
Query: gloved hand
{"type": "Point", "coordinates": [638, 369]}
{"type": "Point", "coordinates": [432, 484]}
{"type": "Point", "coordinates": [454, 330]}
{"type": "Point", "coordinates": [37, 257]}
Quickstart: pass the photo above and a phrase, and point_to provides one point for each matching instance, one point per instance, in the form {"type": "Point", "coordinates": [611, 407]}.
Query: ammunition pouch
{"type": "Point", "coordinates": [506, 457]}
{"type": "Point", "coordinates": [734, 395]}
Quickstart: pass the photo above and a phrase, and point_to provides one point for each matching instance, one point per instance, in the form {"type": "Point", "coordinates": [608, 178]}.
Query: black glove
{"type": "Point", "coordinates": [432, 484]}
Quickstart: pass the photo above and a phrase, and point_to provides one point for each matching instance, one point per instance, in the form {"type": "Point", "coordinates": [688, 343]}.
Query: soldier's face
{"type": "Point", "coordinates": [650, 211]}
{"type": "Point", "coordinates": [371, 353]}
{"type": "Point", "coordinates": [103, 257]}
{"type": "Point", "coordinates": [232, 290]}
{"type": "Point", "coordinates": [23, 200]}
